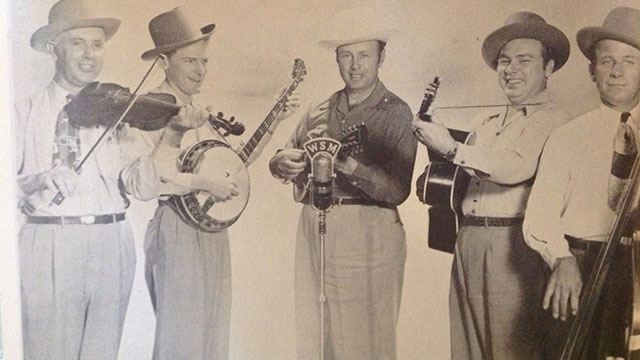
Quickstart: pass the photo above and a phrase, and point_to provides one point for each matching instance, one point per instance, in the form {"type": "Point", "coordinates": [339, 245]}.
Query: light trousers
{"type": "Point", "coordinates": [75, 281]}
{"type": "Point", "coordinates": [365, 252]}
{"type": "Point", "coordinates": [188, 274]}
{"type": "Point", "coordinates": [495, 301]}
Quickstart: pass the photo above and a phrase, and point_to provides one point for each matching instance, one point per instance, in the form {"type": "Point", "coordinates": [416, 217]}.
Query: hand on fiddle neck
{"type": "Point", "coordinates": [189, 117]}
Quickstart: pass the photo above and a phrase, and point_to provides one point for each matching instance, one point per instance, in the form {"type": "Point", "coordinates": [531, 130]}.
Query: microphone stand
{"type": "Point", "coordinates": [322, 230]}
{"type": "Point", "coordinates": [322, 152]}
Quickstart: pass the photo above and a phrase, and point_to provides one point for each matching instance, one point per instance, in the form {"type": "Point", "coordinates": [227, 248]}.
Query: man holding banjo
{"type": "Point", "coordinates": [188, 270]}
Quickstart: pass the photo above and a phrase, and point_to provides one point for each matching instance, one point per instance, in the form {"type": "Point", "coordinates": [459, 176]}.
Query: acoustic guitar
{"type": "Point", "coordinates": [442, 186]}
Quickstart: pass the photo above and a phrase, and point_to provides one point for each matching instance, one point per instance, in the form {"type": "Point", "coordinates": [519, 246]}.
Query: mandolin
{"type": "Point", "coordinates": [352, 141]}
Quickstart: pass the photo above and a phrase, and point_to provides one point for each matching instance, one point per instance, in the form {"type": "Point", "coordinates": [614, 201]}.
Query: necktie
{"type": "Point", "coordinates": [66, 144]}
{"type": "Point", "coordinates": [624, 155]}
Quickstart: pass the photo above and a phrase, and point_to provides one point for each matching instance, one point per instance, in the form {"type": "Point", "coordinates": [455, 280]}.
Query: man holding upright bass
{"type": "Point", "coordinates": [188, 269]}
{"type": "Point", "coordinates": [496, 279]}
{"type": "Point", "coordinates": [584, 170]}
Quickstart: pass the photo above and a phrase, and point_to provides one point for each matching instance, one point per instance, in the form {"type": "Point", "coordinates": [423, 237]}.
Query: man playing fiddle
{"type": "Point", "coordinates": [583, 170]}
{"type": "Point", "coordinates": [496, 279]}
{"type": "Point", "coordinates": [188, 270]}
{"type": "Point", "coordinates": [77, 259]}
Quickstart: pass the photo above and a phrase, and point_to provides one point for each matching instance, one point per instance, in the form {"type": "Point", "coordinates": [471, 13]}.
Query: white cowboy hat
{"type": "Point", "coordinates": [357, 25]}
{"type": "Point", "coordinates": [173, 30]}
{"type": "Point", "coordinates": [621, 24]}
{"type": "Point", "coordinates": [71, 14]}
{"type": "Point", "coordinates": [527, 25]}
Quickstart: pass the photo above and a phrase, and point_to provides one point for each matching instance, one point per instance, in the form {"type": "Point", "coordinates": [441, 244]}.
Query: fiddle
{"type": "Point", "coordinates": [98, 104]}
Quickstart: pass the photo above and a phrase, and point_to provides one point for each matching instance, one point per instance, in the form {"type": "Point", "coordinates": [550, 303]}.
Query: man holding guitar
{"type": "Point", "coordinates": [188, 270]}
{"type": "Point", "coordinates": [574, 202]}
{"type": "Point", "coordinates": [496, 279]}
{"type": "Point", "coordinates": [365, 240]}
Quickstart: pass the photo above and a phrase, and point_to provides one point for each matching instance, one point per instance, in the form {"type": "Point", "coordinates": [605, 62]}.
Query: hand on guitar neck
{"type": "Point", "coordinates": [434, 135]}
{"type": "Point", "coordinates": [429, 130]}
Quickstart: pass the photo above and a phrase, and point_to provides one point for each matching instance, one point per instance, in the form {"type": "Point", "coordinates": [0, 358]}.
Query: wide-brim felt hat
{"type": "Point", "coordinates": [173, 30]}
{"type": "Point", "coordinates": [527, 25]}
{"type": "Point", "coordinates": [72, 14]}
{"type": "Point", "coordinates": [621, 24]}
{"type": "Point", "coordinates": [356, 25]}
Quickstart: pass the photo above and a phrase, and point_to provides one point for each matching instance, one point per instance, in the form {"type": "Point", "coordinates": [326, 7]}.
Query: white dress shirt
{"type": "Point", "coordinates": [155, 174]}
{"type": "Point", "coordinates": [569, 196]}
{"type": "Point", "coordinates": [97, 192]}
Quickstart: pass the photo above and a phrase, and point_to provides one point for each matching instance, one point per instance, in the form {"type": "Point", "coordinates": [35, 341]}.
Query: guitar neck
{"type": "Point", "coordinates": [258, 135]}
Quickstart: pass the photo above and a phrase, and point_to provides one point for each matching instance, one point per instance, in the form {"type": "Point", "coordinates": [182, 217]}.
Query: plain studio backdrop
{"type": "Point", "coordinates": [252, 54]}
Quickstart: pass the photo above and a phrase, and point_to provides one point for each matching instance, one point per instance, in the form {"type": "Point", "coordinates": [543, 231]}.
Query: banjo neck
{"type": "Point", "coordinates": [246, 151]}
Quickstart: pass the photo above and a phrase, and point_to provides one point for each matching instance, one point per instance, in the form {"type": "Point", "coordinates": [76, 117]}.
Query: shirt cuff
{"type": "Point", "coordinates": [555, 251]}
{"type": "Point", "coordinates": [469, 157]}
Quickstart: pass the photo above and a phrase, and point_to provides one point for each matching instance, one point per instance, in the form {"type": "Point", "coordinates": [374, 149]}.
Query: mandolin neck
{"type": "Point", "coordinates": [260, 132]}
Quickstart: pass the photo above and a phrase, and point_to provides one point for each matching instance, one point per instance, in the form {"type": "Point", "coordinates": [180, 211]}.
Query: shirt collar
{"type": "Point", "coordinates": [57, 93]}
{"type": "Point", "coordinates": [539, 99]}
{"type": "Point", "coordinates": [167, 89]}
{"type": "Point", "coordinates": [342, 101]}
{"type": "Point", "coordinates": [613, 116]}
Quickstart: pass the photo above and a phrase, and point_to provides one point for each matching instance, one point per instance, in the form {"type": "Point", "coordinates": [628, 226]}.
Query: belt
{"type": "Point", "coordinates": [490, 221]}
{"type": "Point", "coordinates": [356, 201]}
{"type": "Point", "coordinates": [76, 220]}
{"type": "Point", "coordinates": [361, 201]}
{"type": "Point", "coordinates": [581, 244]}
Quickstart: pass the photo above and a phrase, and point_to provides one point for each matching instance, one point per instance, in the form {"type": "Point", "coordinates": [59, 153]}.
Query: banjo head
{"type": "Point", "coordinates": [213, 158]}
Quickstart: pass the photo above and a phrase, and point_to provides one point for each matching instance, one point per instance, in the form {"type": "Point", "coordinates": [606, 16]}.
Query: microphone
{"type": "Point", "coordinates": [322, 152]}
{"type": "Point", "coordinates": [322, 177]}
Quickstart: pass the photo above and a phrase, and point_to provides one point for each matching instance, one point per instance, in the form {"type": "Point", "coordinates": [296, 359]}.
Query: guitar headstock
{"type": "Point", "coordinates": [299, 70]}
{"type": "Point", "coordinates": [429, 95]}
{"type": "Point", "coordinates": [353, 139]}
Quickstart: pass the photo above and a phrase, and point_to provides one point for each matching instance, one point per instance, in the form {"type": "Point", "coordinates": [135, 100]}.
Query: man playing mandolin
{"type": "Point", "coordinates": [188, 270]}
{"type": "Point", "coordinates": [77, 258]}
{"type": "Point", "coordinates": [365, 240]}
{"type": "Point", "coordinates": [583, 172]}
{"type": "Point", "coordinates": [496, 279]}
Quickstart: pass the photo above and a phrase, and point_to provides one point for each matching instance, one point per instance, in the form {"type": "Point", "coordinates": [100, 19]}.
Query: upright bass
{"type": "Point", "coordinates": [622, 228]}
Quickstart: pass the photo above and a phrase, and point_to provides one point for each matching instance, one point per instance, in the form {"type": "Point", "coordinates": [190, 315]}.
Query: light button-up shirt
{"type": "Point", "coordinates": [502, 156]}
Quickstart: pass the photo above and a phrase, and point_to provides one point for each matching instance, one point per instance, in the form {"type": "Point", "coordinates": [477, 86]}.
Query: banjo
{"type": "Point", "coordinates": [198, 208]}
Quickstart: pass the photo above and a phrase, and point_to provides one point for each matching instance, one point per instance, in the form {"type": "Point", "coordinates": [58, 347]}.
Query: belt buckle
{"type": "Point", "coordinates": [88, 219]}
{"type": "Point", "coordinates": [486, 221]}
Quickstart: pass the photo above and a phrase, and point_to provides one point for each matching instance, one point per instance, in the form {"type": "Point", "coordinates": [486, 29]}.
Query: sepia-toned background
{"type": "Point", "coordinates": [253, 48]}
